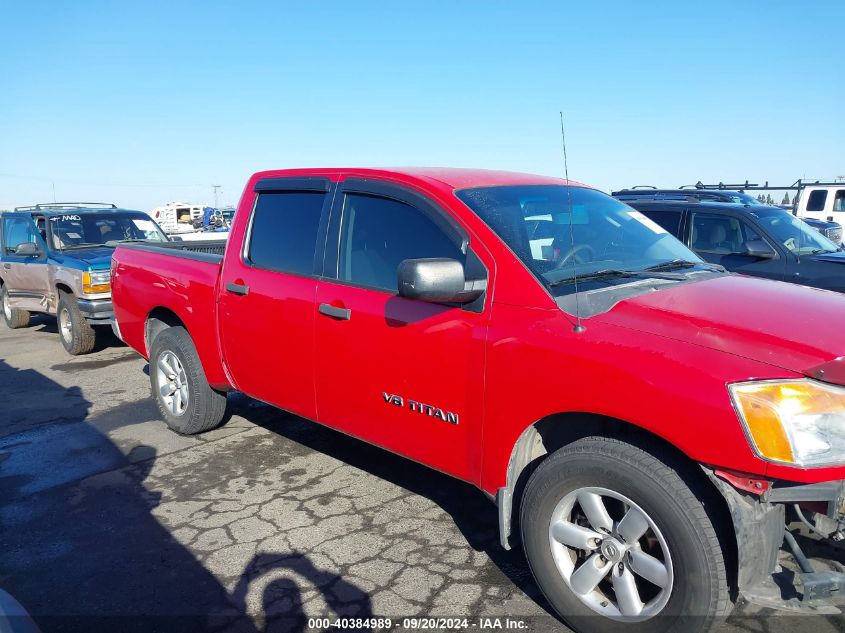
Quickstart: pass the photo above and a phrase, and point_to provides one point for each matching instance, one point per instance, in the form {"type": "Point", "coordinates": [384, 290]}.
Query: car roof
{"type": "Point", "coordinates": [47, 211]}
{"type": "Point", "coordinates": [678, 205]}
{"type": "Point", "coordinates": [443, 178]}
{"type": "Point", "coordinates": [725, 194]}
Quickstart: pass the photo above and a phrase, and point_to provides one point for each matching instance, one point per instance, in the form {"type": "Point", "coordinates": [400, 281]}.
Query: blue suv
{"type": "Point", "coordinates": [56, 259]}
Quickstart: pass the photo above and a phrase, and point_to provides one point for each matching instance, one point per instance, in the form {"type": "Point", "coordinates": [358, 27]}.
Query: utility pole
{"type": "Point", "coordinates": [215, 187]}
{"type": "Point", "coordinates": [54, 191]}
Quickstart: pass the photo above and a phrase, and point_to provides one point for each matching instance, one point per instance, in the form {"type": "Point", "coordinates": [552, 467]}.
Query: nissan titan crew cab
{"type": "Point", "coordinates": [646, 422]}
{"type": "Point", "coordinates": [55, 259]}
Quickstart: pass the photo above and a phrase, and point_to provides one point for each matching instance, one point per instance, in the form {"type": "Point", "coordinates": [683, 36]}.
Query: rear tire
{"type": "Point", "coordinates": [179, 386]}
{"type": "Point", "coordinates": [13, 317]}
{"type": "Point", "coordinates": [76, 334]}
{"type": "Point", "coordinates": [664, 570]}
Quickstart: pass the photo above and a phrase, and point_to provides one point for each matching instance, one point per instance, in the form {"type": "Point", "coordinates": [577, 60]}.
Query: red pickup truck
{"type": "Point", "coordinates": [645, 422]}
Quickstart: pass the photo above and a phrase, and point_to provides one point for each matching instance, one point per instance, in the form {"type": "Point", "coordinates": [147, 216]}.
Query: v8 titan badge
{"type": "Point", "coordinates": [419, 407]}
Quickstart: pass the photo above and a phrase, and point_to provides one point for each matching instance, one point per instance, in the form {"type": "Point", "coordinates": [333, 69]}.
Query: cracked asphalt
{"type": "Point", "coordinates": [110, 521]}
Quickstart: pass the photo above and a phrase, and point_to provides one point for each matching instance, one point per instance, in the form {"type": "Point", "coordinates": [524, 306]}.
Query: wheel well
{"type": "Point", "coordinates": [551, 433]}
{"type": "Point", "coordinates": [64, 288]}
{"type": "Point", "coordinates": [159, 320]}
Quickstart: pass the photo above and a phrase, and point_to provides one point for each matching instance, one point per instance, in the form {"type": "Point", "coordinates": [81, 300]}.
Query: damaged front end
{"type": "Point", "coordinates": [765, 514]}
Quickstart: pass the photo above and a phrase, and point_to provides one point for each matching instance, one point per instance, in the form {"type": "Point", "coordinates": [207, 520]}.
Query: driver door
{"type": "Point", "coordinates": [26, 277]}
{"type": "Point", "coordinates": [401, 373]}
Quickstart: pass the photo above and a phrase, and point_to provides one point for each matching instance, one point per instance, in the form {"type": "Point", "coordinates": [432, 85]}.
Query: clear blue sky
{"type": "Point", "coordinates": [141, 103]}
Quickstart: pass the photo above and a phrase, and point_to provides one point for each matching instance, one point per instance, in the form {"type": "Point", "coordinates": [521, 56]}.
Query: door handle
{"type": "Point", "coordinates": [336, 313]}
{"type": "Point", "coordinates": [238, 289]}
{"type": "Point", "coordinates": [7, 266]}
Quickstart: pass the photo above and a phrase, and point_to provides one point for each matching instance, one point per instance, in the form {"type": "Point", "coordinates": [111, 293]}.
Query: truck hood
{"type": "Point", "coordinates": [94, 257]}
{"type": "Point", "coordinates": [785, 325]}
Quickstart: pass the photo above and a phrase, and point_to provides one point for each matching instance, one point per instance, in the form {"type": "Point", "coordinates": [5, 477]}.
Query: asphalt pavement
{"type": "Point", "coordinates": [110, 521]}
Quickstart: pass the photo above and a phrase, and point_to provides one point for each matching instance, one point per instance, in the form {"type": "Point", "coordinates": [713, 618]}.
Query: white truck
{"type": "Point", "coordinates": [821, 201]}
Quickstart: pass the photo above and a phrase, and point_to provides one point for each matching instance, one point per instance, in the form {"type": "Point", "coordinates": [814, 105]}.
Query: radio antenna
{"type": "Point", "coordinates": [578, 327]}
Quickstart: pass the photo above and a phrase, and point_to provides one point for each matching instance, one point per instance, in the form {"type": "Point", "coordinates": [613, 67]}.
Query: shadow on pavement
{"type": "Point", "coordinates": [82, 552]}
{"type": "Point", "coordinates": [282, 597]}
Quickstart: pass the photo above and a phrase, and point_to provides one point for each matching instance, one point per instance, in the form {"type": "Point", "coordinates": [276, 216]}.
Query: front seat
{"type": "Point", "coordinates": [718, 240]}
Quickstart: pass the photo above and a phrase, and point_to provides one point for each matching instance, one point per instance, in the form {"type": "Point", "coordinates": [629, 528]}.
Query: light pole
{"type": "Point", "coordinates": [215, 187]}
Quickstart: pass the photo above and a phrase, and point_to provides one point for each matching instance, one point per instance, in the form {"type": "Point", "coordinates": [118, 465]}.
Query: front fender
{"type": "Point", "coordinates": [673, 390]}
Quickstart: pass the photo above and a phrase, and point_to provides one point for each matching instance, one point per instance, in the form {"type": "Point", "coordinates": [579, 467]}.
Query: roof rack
{"type": "Point", "coordinates": [752, 186]}
{"type": "Point", "coordinates": [67, 205]}
{"type": "Point", "coordinates": [664, 198]}
{"type": "Point", "coordinates": [663, 194]}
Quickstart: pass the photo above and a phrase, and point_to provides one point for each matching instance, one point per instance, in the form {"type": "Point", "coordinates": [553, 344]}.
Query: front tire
{"type": "Point", "coordinates": [186, 401]}
{"type": "Point", "coordinates": [13, 317]}
{"type": "Point", "coordinates": [619, 541]}
{"type": "Point", "coordinates": [76, 334]}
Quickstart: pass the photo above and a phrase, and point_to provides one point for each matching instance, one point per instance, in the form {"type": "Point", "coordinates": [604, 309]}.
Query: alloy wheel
{"type": "Point", "coordinates": [611, 554]}
{"type": "Point", "coordinates": [172, 383]}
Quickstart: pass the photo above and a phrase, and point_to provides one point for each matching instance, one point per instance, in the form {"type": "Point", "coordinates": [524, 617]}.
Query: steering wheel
{"type": "Point", "coordinates": [573, 253]}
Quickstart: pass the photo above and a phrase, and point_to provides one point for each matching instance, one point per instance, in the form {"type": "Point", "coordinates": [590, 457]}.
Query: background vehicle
{"type": "Point", "coordinates": [411, 308]}
{"type": "Point", "coordinates": [830, 229]}
{"type": "Point", "coordinates": [177, 217]}
{"type": "Point", "coordinates": [55, 259]}
{"type": "Point", "coordinates": [762, 241]}
{"type": "Point", "coordinates": [813, 199]}
{"type": "Point", "coordinates": [821, 201]}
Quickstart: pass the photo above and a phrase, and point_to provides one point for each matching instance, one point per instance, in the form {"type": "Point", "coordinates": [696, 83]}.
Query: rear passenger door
{"type": "Point", "coordinates": [26, 277]}
{"type": "Point", "coordinates": [267, 294]}
{"type": "Point", "coordinates": [722, 238]}
{"type": "Point", "coordinates": [670, 218]}
{"type": "Point", "coordinates": [401, 373]}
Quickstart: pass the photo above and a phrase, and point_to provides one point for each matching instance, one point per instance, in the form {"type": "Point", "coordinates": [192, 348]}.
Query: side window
{"type": "Point", "coordinates": [669, 220]}
{"type": "Point", "coordinates": [721, 234]}
{"type": "Point", "coordinates": [816, 200]}
{"type": "Point", "coordinates": [17, 231]}
{"type": "Point", "coordinates": [839, 200]}
{"type": "Point", "coordinates": [377, 234]}
{"type": "Point", "coordinates": [284, 231]}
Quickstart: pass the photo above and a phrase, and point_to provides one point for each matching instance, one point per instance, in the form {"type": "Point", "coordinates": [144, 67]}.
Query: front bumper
{"type": "Point", "coordinates": [760, 526]}
{"type": "Point", "coordinates": [97, 311]}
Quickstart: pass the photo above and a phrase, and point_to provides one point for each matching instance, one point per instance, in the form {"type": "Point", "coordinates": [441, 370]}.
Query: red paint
{"type": "Point", "coordinates": [742, 481]}
{"type": "Point", "coordinates": [660, 361]}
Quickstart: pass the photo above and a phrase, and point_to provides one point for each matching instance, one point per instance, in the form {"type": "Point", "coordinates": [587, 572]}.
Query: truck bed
{"type": "Point", "coordinates": [174, 281]}
{"type": "Point", "coordinates": [188, 249]}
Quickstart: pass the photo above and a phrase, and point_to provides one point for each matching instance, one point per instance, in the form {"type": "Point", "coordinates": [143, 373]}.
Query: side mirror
{"type": "Point", "coordinates": [438, 280]}
{"type": "Point", "coordinates": [760, 250]}
{"type": "Point", "coordinates": [28, 249]}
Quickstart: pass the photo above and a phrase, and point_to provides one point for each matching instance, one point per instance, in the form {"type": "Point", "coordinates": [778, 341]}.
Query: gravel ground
{"type": "Point", "coordinates": [109, 521]}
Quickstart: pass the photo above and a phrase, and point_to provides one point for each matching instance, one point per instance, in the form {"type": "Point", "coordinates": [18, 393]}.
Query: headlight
{"type": "Point", "coordinates": [96, 281]}
{"type": "Point", "coordinates": [799, 422]}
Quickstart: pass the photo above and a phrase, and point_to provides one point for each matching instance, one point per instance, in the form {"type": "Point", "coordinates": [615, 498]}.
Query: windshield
{"type": "Point", "coordinates": [561, 232]}
{"type": "Point", "coordinates": [795, 234]}
{"type": "Point", "coordinates": [89, 229]}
